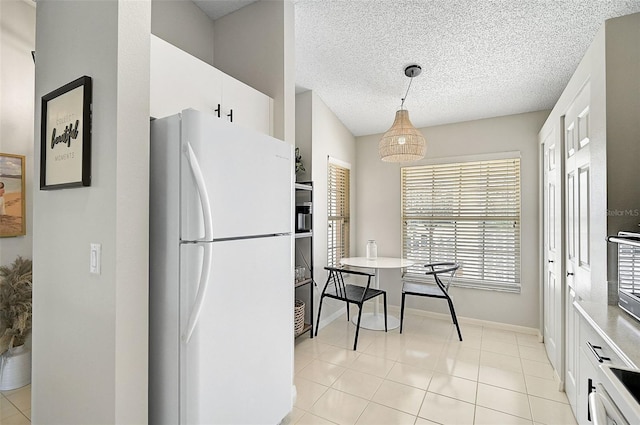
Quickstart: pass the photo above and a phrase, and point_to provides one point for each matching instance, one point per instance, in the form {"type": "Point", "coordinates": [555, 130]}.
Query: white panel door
{"type": "Point", "coordinates": [248, 178]}
{"type": "Point", "coordinates": [578, 190]}
{"type": "Point", "coordinates": [553, 290]}
{"type": "Point", "coordinates": [237, 368]}
{"type": "Point", "coordinates": [577, 212]}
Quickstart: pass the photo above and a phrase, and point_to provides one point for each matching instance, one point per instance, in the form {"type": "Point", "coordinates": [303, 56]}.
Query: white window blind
{"type": "Point", "coordinates": [337, 213]}
{"type": "Point", "coordinates": [466, 212]}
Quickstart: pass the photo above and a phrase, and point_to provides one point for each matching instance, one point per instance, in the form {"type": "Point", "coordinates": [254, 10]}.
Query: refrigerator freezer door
{"type": "Point", "coordinates": [246, 176]}
{"type": "Point", "coordinates": [237, 368]}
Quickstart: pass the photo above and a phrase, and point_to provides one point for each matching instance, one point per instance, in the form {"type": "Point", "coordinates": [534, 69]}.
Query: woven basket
{"type": "Point", "coordinates": [298, 317]}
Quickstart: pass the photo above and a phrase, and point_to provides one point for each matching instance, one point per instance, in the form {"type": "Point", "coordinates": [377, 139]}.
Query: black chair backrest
{"type": "Point", "coordinates": [337, 279]}
{"type": "Point", "coordinates": [438, 269]}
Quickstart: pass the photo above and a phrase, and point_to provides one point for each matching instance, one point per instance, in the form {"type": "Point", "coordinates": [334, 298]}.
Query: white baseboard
{"type": "Point", "coordinates": [470, 320]}
{"type": "Point", "coordinates": [325, 321]}
{"type": "Point", "coordinates": [441, 316]}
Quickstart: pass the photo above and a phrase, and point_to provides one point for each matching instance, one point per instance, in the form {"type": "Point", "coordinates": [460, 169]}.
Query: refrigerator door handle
{"type": "Point", "coordinates": [203, 193]}
{"type": "Point", "coordinates": [202, 292]}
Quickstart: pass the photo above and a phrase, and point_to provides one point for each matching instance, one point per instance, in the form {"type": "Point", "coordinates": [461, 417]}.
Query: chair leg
{"type": "Point", "coordinates": [319, 310]}
{"type": "Point", "coordinates": [347, 311]}
{"type": "Point", "coordinates": [454, 317]}
{"type": "Point", "coordinates": [384, 296]}
{"type": "Point", "coordinates": [402, 311]}
{"type": "Point", "coordinates": [355, 342]}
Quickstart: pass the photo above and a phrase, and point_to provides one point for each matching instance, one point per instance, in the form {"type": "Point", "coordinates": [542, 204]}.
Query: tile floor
{"type": "Point", "coordinates": [425, 376]}
{"type": "Point", "coordinates": [15, 406]}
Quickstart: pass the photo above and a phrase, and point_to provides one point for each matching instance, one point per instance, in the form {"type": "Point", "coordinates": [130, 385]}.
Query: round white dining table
{"type": "Point", "coordinates": [375, 320]}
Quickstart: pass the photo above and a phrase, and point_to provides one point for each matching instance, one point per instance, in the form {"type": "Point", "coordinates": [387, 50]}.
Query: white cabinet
{"type": "Point", "coordinates": [180, 81]}
{"type": "Point", "coordinates": [593, 351]}
{"type": "Point", "coordinates": [245, 106]}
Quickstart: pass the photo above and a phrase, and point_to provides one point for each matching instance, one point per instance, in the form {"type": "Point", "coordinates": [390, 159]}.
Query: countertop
{"type": "Point", "coordinates": [618, 328]}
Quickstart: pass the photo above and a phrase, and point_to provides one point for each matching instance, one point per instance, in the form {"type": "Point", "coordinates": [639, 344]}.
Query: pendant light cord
{"type": "Point", "coordinates": [405, 95]}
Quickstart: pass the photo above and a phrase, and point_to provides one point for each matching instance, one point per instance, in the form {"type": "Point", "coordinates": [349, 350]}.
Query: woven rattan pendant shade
{"type": "Point", "coordinates": [402, 142]}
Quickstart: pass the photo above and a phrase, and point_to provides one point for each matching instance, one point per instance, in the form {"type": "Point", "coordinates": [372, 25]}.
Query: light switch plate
{"type": "Point", "coordinates": [95, 258]}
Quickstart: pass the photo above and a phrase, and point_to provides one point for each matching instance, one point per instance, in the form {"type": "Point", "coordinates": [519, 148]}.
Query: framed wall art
{"type": "Point", "coordinates": [65, 148]}
{"type": "Point", "coordinates": [12, 200]}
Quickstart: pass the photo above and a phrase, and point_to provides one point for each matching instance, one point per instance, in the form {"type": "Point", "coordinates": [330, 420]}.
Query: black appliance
{"type": "Point", "coordinates": [628, 271]}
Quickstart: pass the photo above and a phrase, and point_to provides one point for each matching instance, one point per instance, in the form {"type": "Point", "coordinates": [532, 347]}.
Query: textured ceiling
{"type": "Point", "coordinates": [479, 58]}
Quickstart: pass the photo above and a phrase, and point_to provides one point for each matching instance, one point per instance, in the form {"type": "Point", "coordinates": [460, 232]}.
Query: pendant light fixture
{"type": "Point", "coordinates": [403, 142]}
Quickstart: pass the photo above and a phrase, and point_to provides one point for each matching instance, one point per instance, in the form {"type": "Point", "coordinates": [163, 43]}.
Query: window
{"type": "Point", "coordinates": [337, 213]}
{"type": "Point", "coordinates": [466, 212]}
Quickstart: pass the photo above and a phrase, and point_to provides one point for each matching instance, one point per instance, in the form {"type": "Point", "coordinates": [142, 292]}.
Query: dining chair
{"type": "Point", "coordinates": [440, 289]}
{"type": "Point", "coordinates": [351, 293]}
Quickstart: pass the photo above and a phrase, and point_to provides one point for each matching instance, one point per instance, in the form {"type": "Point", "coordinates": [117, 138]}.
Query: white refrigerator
{"type": "Point", "coordinates": [221, 273]}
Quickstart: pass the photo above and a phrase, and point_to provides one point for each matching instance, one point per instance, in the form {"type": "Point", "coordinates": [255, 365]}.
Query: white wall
{"type": "Point", "coordinates": [378, 211]}
{"type": "Point", "coordinates": [256, 45]}
{"type": "Point", "coordinates": [17, 74]}
{"type": "Point", "coordinates": [329, 137]}
{"type": "Point", "coordinates": [304, 136]}
{"type": "Point", "coordinates": [90, 355]}
{"type": "Point", "coordinates": [184, 25]}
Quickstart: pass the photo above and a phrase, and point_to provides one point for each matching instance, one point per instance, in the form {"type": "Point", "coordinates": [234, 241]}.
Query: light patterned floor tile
{"type": "Point", "coordinates": [376, 414]}
{"type": "Point", "coordinates": [18, 419]}
{"type": "Point", "coordinates": [7, 409]}
{"type": "Point", "coordinates": [545, 388]}
{"type": "Point", "coordinates": [506, 401]}
{"type": "Point", "coordinates": [506, 348]}
{"type": "Point", "coordinates": [312, 346]}
{"type": "Point", "coordinates": [473, 341]}
{"type": "Point", "coordinates": [499, 335]}
{"type": "Point", "coordinates": [486, 416]}
{"type": "Point", "coordinates": [539, 369]}
{"type": "Point", "coordinates": [398, 396]}
{"type": "Point", "coordinates": [410, 375]}
{"type": "Point", "coordinates": [502, 378]}
{"type": "Point", "coordinates": [308, 392]}
{"type": "Point", "coordinates": [494, 376]}
{"type": "Point", "coordinates": [550, 412]}
{"type": "Point", "coordinates": [534, 353]}
{"type": "Point", "coordinates": [422, 421]}
{"type": "Point", "coordinates": [388, 346]}
{"type": "Point", "coordinates": [21, 398]}
{"type": "Point", "coordinates": [529, 340]}
{"type": "Point", "coordinates": [454, 387]}
{"type": "Point", "coordinates": [338, 356]}
{"type": "Point", "coordinates": [293, 416]}
{"type": "Point", "coordinates": [500, 361]}
{"type": "Point", "coordinates": [460, 368]}
{"type": "Point", "coordinates": [357, 383]}
{"type": "Point", "coordinates": [422, 355]}
{"type": "Point", "coordinates": [378, 366]}
{"type": "Point", "coordinates": [311, 419]}
{"type": "Point", "coordinates": [461, 352]}
{"type": "Point", "coordinates": [321, 372]}
{"type": "Point", "coordinates": [339, 407]}
{"type": "Point", "coordinates": [446, 410]}
{"type": "Point", "coordinates": [302, 360]}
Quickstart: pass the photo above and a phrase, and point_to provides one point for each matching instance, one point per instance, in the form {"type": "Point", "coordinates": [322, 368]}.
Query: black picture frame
{"type": "Point", "coordinates": [65, 146]}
